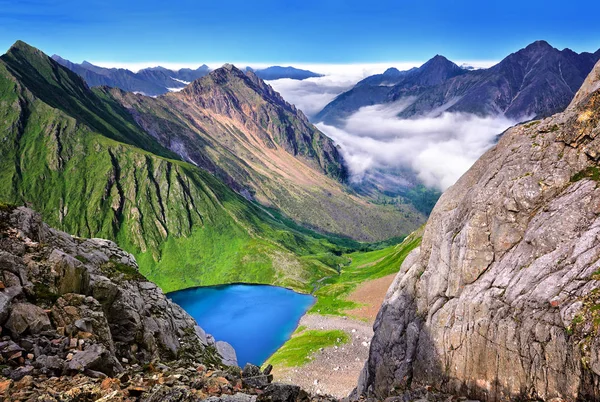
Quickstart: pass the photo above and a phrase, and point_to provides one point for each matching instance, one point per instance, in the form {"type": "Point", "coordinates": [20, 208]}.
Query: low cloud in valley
{"type": "Point", "coordinates": [439, 149]}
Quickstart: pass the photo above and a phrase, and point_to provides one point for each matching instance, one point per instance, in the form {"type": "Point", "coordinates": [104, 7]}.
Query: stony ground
{"type": "Point", "coordinates": [334, 370]}
{"type": "Point", "coordinates": [156, 383]}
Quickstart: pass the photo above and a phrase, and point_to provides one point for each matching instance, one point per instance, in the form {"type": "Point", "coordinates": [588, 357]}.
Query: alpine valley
{"type": "Point", "coordinates": [173, 179]}
{"type": "Point", "coordinates": [117, 188]}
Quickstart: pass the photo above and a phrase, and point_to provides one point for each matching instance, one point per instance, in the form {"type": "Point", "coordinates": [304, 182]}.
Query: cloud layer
{"type": "Point", "coordinates": [312, 94]}
{"type": "Point", "coordinates": [380, 147]}
{"type": "Point", "coordinates": [438, 149]}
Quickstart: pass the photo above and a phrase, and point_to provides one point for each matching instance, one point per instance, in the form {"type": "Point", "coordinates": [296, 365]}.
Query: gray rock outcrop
{"type": "Point", "coordinates": [502, 299]}
{"type": "Point", "coordinates": [71, 305]}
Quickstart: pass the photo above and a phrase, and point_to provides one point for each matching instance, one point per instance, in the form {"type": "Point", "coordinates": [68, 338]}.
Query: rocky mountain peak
{"type": "Point", "coordinates": [531, 53]}
{"type": "Point", "coordinates": [20, 45]}
{"type": "Point", "coordinates": [229, 67]}
{"type": "Point", "coordinates": [59, 59]}
{"type": "Point", "coordinates": [539, 45]}
{"type": "Point", "coordinates": [439, 61]}
{"type": "Point", "coordinates": [20, 51]}
{"type": "Point", "coordinates": [435, 71]}
{"type": "Point", "coordinates": [251, 102]}
{"type": "Point", "coordinates": [590, 85]}
{"type": "Point", "coordinates": [392, 71]}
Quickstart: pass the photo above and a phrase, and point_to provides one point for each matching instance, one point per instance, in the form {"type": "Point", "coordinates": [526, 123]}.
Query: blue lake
{"type": "Point", "coordinates": [255, 319]}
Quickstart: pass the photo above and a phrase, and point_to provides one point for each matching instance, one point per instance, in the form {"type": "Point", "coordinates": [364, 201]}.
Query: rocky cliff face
{"type": "Point", "coordinates": [247, 99]}
{"type": "Point", "coordinates": [71, 305]}
{"type": "Point", "coordinates": [501, 300]}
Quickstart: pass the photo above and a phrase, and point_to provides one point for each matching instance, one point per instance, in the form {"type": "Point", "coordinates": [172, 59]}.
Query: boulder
{"type": "Point", "coordinates": [70, 276]}
{"type": "Point", "coordinates": [21, 372]}
{"type": "Point", "coordinates": [238, 397]}
{"type": "Point", "coordinates": [252, 377]}
{"type": "Point", "coordinates": [52, 364]}
{"type": "Point", "coordinates": [227, 353]}
{"type": "Point", "coordinates": [6, 297]}
{"type": "Point", "coordinates": [27, 317]}
{"type": "Point", "coordinates": [95, 358]}
{"type": "Point", "coordinates": [79, 313]}
{"type": "Point", "coordinates": [281, 393]}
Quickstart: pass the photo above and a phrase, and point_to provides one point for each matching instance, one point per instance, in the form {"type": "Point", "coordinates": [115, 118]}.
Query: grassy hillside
{"type": "Point", "coordinates": [78, 158]}
{"type": "Point", "coordinates": [360, 267]}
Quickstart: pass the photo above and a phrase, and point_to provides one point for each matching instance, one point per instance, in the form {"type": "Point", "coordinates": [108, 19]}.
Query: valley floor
{"type": "Point", "coordinates": [335, 370]}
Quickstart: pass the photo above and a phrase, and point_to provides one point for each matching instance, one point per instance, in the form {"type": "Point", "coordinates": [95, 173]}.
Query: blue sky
{"type": "Point", "coordinates": [308, 31]}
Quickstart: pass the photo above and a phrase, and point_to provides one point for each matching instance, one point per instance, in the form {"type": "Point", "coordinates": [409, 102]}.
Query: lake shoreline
{"type": "Point", "coordinates": [255, 319]}
{"type": "Point", "coordinates": [240, 283]}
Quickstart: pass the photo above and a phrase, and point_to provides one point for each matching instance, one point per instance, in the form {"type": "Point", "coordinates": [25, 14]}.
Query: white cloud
{"type": "Point", "coordinates": [312, 94]}
{"type": "Point", "coordinates": [178, 80]}
{"type": "Point", "coordinates": [438, 149]}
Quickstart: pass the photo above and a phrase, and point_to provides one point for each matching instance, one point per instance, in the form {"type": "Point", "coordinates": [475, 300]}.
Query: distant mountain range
{"type": "Point", "coordinates": [534, 82]}
{"type": "Point", "coordinates": [156, 81]}
{"type": "Point", "coordinates": [278, 72]}
{"type": "Point", "coordinates": [149, 81]}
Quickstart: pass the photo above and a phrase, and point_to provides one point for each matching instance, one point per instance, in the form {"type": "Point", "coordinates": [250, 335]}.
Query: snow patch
{"type": "Point", "coordinates": [182, 81]}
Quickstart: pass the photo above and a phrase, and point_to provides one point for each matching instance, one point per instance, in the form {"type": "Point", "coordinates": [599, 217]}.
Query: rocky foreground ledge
{"type": "Point", "coordinates": [79, 323]}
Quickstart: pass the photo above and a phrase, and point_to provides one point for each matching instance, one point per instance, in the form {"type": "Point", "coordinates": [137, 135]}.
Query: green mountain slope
{"type": "Point", "coordinates": [76, 156]}
{"type": "Point", "coordinates": [233, 124]}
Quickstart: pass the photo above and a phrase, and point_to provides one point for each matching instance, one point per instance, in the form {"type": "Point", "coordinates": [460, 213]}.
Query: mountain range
{"type": "Point", "coordinates": [150, 81]}
{"type": "Point", "coordinates": [235, 126]}
{"type": "Point", "coordinates": [156, 81]}
{"type": "Point", "coordinates": [278, 72]}
{"type": "Point", "coordinates": [534, 82]}
{"type": "Point", "coordinates": [176, 179]}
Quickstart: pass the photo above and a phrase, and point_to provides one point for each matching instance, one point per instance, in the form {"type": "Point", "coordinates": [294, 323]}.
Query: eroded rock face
{"type": "Point", "coordinates": [71, 305]}
{"type": "Point", "coordinates": [500, 301]}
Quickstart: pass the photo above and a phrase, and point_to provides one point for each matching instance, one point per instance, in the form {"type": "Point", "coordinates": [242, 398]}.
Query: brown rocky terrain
{"type": "Point", "coordinates": [501, 300]}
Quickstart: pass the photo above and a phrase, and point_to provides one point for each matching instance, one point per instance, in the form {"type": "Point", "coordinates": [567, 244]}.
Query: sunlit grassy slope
{"type": "Point", "coordinates": [76, 156]}
{"type": "Point", "coordinates": [360, 267]}
{"type": "Point", "coordinates": [304, 343]}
